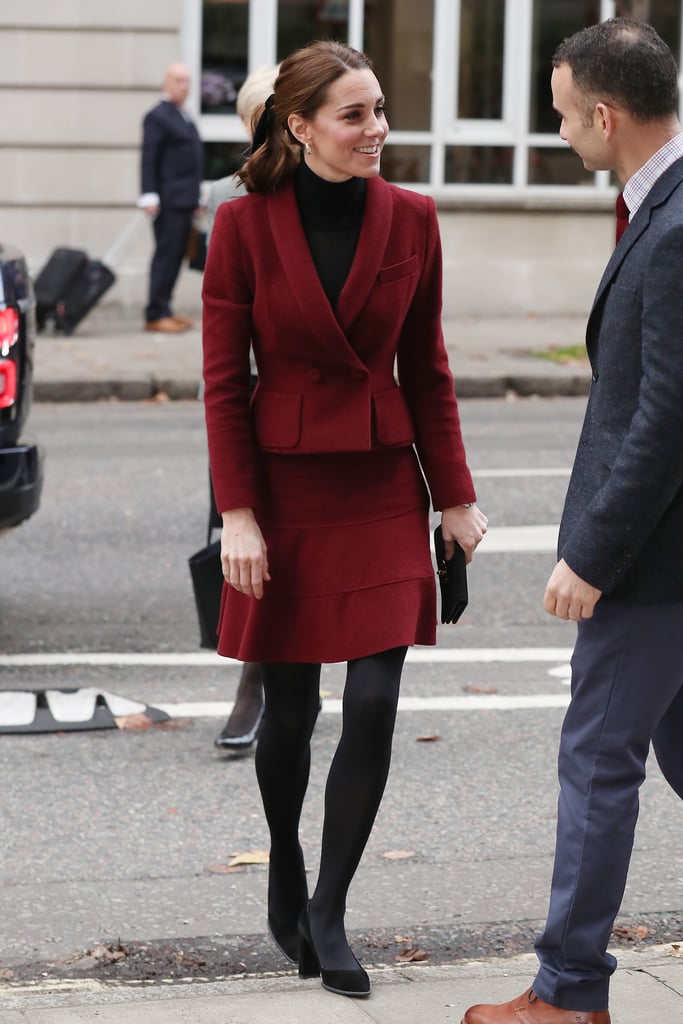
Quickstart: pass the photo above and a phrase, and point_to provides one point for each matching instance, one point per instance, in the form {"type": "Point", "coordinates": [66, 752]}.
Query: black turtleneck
{"type": "Point", "coordinates": [331, 213]}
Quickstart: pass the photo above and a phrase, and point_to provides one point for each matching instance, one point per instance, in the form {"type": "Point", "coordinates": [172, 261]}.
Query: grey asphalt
{"type": "Point", "coordinates": [114, 359]}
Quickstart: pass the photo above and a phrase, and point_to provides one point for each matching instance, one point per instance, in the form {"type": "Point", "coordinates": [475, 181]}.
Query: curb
{"type": "Point", "coordinates": [119, 390]}
{"type": "Point", "coordinates": [147, 388]}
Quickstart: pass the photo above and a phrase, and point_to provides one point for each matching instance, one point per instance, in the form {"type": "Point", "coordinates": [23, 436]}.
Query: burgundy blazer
{"type": "Point", "coordinates": [372, 374]}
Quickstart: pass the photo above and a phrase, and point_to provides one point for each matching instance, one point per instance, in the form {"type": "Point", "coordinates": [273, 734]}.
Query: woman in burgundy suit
{"type": "Point", "coordinates": [333, 277]}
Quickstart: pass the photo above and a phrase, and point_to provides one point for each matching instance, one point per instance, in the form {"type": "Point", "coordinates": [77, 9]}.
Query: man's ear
{"type": "Point", "coordinates": [298, 126]}
{"type": "Point", "coordinates": [606, 118]}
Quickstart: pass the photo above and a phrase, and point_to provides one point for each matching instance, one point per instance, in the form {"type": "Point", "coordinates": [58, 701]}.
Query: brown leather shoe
{"type": "Point", "coordinates": [167, 325]}
{"type": "Point", "coordinates": [529, 1009]}
{"type": "Point", "coordinates": [186, 321]}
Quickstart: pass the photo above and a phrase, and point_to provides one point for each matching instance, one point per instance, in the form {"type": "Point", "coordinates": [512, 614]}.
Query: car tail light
{"type": "Point", "coordinates": [8, 383]}
{"type": "Point", "coordinates": [9, 329]}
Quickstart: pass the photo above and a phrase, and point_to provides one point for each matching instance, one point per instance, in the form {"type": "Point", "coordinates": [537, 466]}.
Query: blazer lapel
{"type": "Point", "coordinates": [658, 194]}
{"type": "Point", "coordinates": [328, 326]}
{"type": "Point", "coordinates": [372, 242]}
{"type": "Point", "coordinates": [299, 270]}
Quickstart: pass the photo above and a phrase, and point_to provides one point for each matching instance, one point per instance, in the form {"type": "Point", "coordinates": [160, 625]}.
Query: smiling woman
{"type": "Point", "coordinates": [333, 278]}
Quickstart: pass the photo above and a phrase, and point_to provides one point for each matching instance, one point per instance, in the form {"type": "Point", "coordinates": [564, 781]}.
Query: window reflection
{"type": "Point", "coordinates": [482, 44]}
{"type": "Point", "coordinates": [225, 47]}
{"type": "Point", "coordinates": [406, 165]}
{"type": "Point", "coordinates": [399, 37]}
{"type": "Point", "coordinates": [557, 167]}
{"type": "Point", "coordinates": [301, 21]}
{"type": "Point", "coordinates": [554, 20]}
{"type": "Point", "coordinates": [479, 165]}
{"type": "Point", "coordinates": [223, 158]}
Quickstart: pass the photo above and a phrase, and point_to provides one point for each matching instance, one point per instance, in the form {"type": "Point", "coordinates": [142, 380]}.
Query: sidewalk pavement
{"type": "Point", "coordinates": [110, 358]}
{"type": "Point", "coordinates": [647, 989]}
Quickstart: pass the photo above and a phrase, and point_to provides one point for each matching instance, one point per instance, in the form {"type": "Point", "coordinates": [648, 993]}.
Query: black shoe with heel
{"type": "Point", "coordinates": [286, 940]}
{"type": "Point", "coordinates": [355, 983]}
{"type": "Point", "coordinates": [287, 899]}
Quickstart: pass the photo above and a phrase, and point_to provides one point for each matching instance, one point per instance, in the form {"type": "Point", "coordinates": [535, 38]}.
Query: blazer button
{"type": "Point", "coordinates": [595, 376]}
{"type": "Point", "coordinates": [314, 375]}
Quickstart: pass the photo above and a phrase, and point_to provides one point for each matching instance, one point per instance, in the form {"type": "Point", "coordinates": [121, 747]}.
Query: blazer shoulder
{"type": "Point", "coordinates": [156, 113]}
{"type": "Point", "coordinates": [245, 209]}
{"type": "Point", "coordinates": [404, 198]}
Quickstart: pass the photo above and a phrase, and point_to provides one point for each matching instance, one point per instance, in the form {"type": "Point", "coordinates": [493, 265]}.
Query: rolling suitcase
{"type": "Point", "coordinates": [54, 280]}
{"type": "Point", "coordinates": [70, 284]}
{"type": "Point", "coordinates": [84, 292]}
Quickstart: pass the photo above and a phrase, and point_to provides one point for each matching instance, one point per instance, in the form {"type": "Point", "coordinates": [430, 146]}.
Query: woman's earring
{"type": "Point", "coordinates": [307, 149]}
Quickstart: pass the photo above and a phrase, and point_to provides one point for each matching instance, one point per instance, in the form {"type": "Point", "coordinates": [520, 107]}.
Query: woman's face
{"type": "Point", "coordinates": [347, 133]}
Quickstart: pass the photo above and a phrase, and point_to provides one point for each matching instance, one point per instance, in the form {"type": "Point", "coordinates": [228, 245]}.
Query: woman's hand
{"type": "Point", "coordinates": [244, 557]}
{"type": "Point", "coordinates": [465, 523]}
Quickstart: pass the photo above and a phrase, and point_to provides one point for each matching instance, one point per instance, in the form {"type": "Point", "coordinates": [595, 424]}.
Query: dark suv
{"type": "Point", "coordinates": [21, 463]}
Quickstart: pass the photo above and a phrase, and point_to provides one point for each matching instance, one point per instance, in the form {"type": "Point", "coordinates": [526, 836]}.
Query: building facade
{"type": "Point", "coordinates": [525, 228]}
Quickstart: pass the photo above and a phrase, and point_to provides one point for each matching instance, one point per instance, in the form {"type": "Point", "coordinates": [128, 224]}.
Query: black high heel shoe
{"type": "Point", "coordinates": [344, 983]}
{"type": "Point", "coordinates": [287, 899]}
{"type": "Point", "coordinates": [287, 941]}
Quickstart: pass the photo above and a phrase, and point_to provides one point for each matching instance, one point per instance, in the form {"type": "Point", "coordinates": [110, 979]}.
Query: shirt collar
{"type": "Point", "coordinates": [640, 183]}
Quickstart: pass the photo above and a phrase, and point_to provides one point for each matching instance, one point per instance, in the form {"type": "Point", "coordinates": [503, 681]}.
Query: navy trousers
{"type": "Point", "coordinates": [627, 690]}
{"type": "Point", "coordinates": [171, 232]}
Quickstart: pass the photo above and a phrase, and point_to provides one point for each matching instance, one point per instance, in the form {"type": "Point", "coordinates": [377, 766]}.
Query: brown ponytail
{"type": "Point", "coordinates": [300, 88]}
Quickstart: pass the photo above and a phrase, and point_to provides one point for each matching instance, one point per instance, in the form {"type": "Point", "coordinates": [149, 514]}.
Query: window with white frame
{"type": "Point", "coordinates": [467, 81]}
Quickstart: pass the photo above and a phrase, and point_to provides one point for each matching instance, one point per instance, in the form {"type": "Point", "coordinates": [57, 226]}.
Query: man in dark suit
{"type": "Point", "coordinates": [620, 568]}
{"type": "Point", "coordinates": [172, 168]}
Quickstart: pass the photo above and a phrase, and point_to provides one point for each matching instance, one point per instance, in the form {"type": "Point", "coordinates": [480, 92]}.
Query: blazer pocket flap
{"type": "Point", "coordinates": [277, 419]}
{"type": "Point", "coordinates": [393, 422]}
{"type": "Point", "coordinates": [398, 270]}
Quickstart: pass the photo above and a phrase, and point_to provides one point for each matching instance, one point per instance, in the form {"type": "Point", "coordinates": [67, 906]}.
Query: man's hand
{"type": "Point", "coordinates": [568, 596]}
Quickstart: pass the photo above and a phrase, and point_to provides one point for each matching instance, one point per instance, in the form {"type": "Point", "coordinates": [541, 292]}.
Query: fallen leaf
{"type": "Point", "coordinates": [108, 954]}
{"type": "Point", "coordinates": [472, 688]}
{"type": "Point", "coordinates": [412, 955]}
{"type": "Point", "coordinates": [429, 738]}
{"type": "Point", "coordinates": [676, 949]}
{"type": "Point", "coordinates": [5, 973]}
{"type": "Point", "coordinates": [251, 857]}
{"type": "Point", "coordinates": [136, 723]}
{"type": "Point", "coordinates": [634, 934]}
{"type": "Point", "coordinates": [398, 855]}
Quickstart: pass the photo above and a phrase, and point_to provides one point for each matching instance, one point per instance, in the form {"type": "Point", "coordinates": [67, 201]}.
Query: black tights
{"type": "Point", "coordinates": [355, 785]}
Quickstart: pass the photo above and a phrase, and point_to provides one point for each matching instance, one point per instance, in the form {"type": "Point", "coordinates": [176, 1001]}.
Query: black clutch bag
{"type": "Point", "coordinates": [452, 579]}
{"type": "Point", "coordinates": [207, 584]}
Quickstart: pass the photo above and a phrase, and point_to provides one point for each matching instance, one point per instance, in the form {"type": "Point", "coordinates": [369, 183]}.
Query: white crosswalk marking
{"type": "Point", "coordinates": [207, 659]}
{"type": "Point", "coordinates": [473, 702]}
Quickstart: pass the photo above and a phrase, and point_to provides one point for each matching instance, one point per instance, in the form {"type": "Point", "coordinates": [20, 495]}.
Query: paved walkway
{"type": "Point", "coordinates": [489, 357]}
{"type": "Point", "coordinates": [647, 989]}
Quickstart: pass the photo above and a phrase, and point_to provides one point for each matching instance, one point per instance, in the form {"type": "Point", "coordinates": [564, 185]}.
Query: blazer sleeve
{"type": "Point", "coordinates": [427, 383]}
{"type": "Point", "coordinates": [644, 476]}
{"type": "Point", "coordinates": [153, 136]}
{"type": "Point", "coordinates": [226, 331]}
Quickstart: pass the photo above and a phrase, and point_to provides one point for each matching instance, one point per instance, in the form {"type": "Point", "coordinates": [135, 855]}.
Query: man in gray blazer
{"type": "Point", "coordinates": [620, 568]}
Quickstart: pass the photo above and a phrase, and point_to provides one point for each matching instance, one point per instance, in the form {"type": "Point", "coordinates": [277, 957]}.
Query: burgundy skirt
{"type": "Point", "coordinates": [349, 559]}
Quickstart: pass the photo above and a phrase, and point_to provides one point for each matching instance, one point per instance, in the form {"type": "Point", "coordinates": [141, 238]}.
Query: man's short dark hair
{"type": "Point", "coordinates": [624, 61]}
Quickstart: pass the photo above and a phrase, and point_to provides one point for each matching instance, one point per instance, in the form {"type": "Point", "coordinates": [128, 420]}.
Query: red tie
{"type": "Point", "coordinates": [622, 216]}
